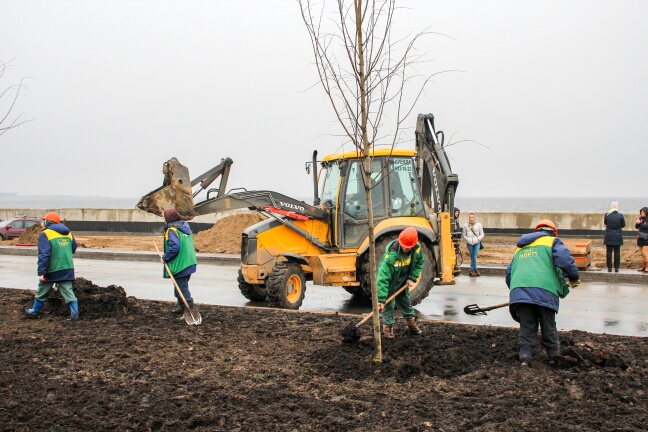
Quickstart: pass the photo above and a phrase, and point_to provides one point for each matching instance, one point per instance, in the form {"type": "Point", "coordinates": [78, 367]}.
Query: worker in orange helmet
{"type": "Point", "coordinates": [56, 245]}
{"type": "Point", "coordinates": [402, 263]}
{"type": "Point", "coordinates": [536, 279]}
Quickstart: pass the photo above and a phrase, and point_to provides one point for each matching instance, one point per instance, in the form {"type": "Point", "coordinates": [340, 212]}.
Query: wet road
{"type": "Point", "coordinates": [595, 307]}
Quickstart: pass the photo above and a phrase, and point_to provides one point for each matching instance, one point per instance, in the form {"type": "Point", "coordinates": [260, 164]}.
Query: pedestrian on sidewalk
{"type": "Point", "coordinates": [402, 263]}
{"type": "Point", "coordinates": [473, 233]}
{"type": "Point", "coordinates": [642, 238]}
{"type": "Point", "coordinates": [613, 237]}
{"type": "Point", "coordinates": [536, 279]}
{"type": "Point", "coordinates": [179, 255]}
{"type": "Point", "coordinates": [56, 245]}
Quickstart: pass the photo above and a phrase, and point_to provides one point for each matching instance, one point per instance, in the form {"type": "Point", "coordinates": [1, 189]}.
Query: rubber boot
{"type": "Point", "coordinates": [74, 311]}
{"type": "Point", "coordinates": [179, 310]}
{"type": "Point", "coordinates": [388, 331]}
{"type": "Point", "coordinates": [526, 353]}
{"type": "Point", "coordinates": [35, 310]}
{"type": "Point", "coordinates": [413, 328]}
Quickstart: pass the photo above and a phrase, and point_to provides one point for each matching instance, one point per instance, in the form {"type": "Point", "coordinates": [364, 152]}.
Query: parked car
{"type": "Point", "coordinates": [14, 227]}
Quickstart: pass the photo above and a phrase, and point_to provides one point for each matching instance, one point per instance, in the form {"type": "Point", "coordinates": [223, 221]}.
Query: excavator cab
{"type": "Point", "coordinates": [327, 242]}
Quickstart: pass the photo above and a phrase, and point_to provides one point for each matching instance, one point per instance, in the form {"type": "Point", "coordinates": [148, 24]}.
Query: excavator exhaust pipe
{"type": "Point", "coordinates": [175, 192]}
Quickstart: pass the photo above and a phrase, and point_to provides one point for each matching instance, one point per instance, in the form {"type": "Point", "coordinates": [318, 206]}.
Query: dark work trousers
{"type": "Point", "coordinates": [617, 256]}
{"type": "Point", "coordinates": [530, 316]}
{"type": "Point", "coordinates": [183, 284]}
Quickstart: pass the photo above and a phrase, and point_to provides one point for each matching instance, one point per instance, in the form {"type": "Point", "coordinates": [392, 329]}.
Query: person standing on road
{"type": "Point", "coordinates": [613, 237]}
{"type": "Point", "coordinates": [179, 255]}
{"type": "Point", "coordinates": [536, 279]}
{"type": "Point", "coordinates": [56, 245]}
{"type": "Point", "coordinates": [402, 263]}
{"type": "Point", "coordinates": [642, 238]}
{"type": "Point", "coordinates": [473, 233]}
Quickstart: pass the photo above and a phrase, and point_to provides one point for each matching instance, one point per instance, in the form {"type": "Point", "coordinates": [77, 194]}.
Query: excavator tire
{"type": "Point", "coordinates": [286, 285]}
{"type": "Point", "coordinates": [417, 294]}
{"type": "Point", "coordinates": [251, 292]}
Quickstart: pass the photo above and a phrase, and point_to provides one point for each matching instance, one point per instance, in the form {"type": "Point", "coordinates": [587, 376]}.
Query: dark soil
{"type": "Point", "coordinates": [94, 301]}
{"type": "Point", "coordinates": [258, 369]}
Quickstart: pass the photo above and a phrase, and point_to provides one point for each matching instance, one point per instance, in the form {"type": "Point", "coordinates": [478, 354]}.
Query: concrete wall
{"type": "Point", "coordinates": [494, 222]}
{"type": "Point", "coordinates": [565, 221]}
{"type": "Point", "coordinates": [107, 215]}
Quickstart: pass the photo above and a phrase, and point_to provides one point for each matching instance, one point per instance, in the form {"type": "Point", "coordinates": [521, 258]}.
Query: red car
{"type": "Point", "coordinates": [14, 227]}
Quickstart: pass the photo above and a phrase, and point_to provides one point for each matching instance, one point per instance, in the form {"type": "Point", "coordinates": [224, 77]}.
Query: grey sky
{"type": "Point", "coordinates": [557, 90]}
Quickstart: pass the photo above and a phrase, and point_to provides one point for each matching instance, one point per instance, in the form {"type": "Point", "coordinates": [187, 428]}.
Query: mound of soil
{"type": "Point", "coordinates": [94, 301]}
{"type": "Point", "coordinates": [30, 235]}
{"type": "Point", "coordinates": [225, 235]}
{"type": "Point", "coordinates": [257, 369]}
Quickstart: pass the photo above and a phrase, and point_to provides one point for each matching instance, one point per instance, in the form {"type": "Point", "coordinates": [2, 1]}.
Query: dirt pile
{"type": "Point", "coordinates": [250, 369]}
{"type": "Point", "coordinates": [225, 235]}
{"type": "Point", "coordinates": [94, 301]}
{"type": "Point", "coordinates": [30, 235]}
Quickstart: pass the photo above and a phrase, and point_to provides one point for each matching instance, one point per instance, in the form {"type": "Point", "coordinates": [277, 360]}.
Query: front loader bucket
{"type": "Point", "coordinates": [175, 192]}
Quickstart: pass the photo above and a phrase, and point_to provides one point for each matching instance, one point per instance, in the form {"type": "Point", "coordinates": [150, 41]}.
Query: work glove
{"type": "Point", "coordinates": [574, 284]}
{"type": "Point", "coordinates": [410, 283]}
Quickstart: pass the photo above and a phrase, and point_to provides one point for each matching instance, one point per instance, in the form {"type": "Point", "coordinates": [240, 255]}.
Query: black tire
{"type": "Point", "coordinates": [251, 292]}
{"type": "Point", "coordinates": [419, 292]}
{"type": "Point", "coordinates": [286, 286]}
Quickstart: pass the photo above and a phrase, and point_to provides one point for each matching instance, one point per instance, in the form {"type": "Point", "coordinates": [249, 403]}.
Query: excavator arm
{"type": "Point", "coordinates": [177, 189]}
{"type": "Point", "coordinates": [438, 186]}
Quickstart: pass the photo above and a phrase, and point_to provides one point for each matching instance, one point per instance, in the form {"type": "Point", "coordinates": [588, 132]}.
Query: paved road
{"type": "Point", "coordinates": [595, 307]}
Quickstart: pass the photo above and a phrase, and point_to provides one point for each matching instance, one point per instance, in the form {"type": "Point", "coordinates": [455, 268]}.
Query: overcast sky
{"type": "Point", "coordinates": [557, 89]}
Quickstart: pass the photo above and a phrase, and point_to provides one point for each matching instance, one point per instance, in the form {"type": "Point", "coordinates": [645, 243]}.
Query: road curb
{"type": "Point", "coordinates": [119, 255]}
{"type": "Point", "coordinates": [625, 276]}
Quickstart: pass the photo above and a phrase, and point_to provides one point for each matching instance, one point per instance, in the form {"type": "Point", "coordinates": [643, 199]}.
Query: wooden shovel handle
{"type": "Point", "coordinates": [393, 296]}
{"type": "Point", "coordinates": [172, 278]}
{"type": "Point", "coordinates": [486, 309]}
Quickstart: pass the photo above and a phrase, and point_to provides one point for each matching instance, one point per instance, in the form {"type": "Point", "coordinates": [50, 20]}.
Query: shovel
{"type": "Point", "coordinates": [192, 317]}
{"type": "Point", "coordinates": [351, 333]}
{"type": "Point", "coordinates": [473, 309]}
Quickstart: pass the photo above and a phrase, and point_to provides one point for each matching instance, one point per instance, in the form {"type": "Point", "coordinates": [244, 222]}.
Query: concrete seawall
{"type": "Point", "coordinates": [137, 221]}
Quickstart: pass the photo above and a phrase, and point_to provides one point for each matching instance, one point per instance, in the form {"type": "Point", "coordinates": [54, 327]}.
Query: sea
{"type": "Point", "coordinates": [472, 204]}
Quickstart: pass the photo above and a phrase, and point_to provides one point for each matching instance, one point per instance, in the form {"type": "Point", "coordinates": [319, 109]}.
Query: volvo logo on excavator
{"type": "Point", "coordinates": [292, 206]}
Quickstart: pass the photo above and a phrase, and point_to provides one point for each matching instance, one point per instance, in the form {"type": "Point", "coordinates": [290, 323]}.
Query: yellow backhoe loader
{"type": "Point", "coordinates": [327, 242]}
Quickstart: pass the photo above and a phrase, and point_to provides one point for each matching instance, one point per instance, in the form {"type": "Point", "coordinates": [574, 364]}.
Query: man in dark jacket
{"type": "Point", "coordinates": [613, 237]}
{"type": "Point", "coordinates": [56, 245]}
{"type": "Point", "coordinates": [642, 237]}
{"type": "Point", "coordinates": [179, 255]}
{"type": "Point", "coordinates": [402, 263]}
{"type": "Point", "coordinates": [535, 277]}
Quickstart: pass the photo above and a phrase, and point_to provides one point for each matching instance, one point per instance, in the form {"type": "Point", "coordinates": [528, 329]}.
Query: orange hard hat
{"type": "Point", "coordinates": [52, 217]}
{"type": "Point", "coordinates": [408, 238]}
{"type": "Point", "coordinates": [547, 223]}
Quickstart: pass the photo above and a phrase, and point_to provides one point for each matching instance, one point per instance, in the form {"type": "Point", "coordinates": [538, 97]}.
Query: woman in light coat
{"type": "Point", "coordinates": [473, 233]}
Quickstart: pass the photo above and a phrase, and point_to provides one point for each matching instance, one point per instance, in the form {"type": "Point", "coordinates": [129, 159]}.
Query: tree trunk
{"type": "Point", "coordinates": [367, 182]}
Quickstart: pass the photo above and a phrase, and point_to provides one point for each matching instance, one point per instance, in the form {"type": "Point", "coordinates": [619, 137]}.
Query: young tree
{"type": "Point", "coordinates": [8, 99]}
{"type": "Point", "coordinates": [364, 70]}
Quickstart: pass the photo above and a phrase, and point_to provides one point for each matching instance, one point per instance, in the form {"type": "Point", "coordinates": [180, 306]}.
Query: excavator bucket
{"type": "Point", "coordinates": [175, 192]}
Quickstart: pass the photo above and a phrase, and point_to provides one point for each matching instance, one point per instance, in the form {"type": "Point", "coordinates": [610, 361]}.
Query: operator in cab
{"type": "Point", "coordinates": [56, 245]}
{"type": "Point", "coordinates": [401, 264]}
{"type": "Point", "coordinates": [536, 279]}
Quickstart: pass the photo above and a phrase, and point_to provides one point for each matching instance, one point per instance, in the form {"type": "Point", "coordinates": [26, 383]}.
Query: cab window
{"type": "Point", "coordinates": [404, 195]}
{"type": "Point", "coordinates": [331, 181]}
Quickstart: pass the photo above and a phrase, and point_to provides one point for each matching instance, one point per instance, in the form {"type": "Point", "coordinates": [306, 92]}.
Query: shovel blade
{"type": "Point", "coordinates": [473, 309]}
{"type": "Point", "coordinates": [192, 316]}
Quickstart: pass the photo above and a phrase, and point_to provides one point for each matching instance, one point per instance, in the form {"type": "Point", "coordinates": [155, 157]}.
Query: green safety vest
{"type": "Point", "coordinates": [61, 257]}
{"type": "Point", "coordinates": [186, 256]}
{"type": "Point", "coordinates": [533, 266]}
